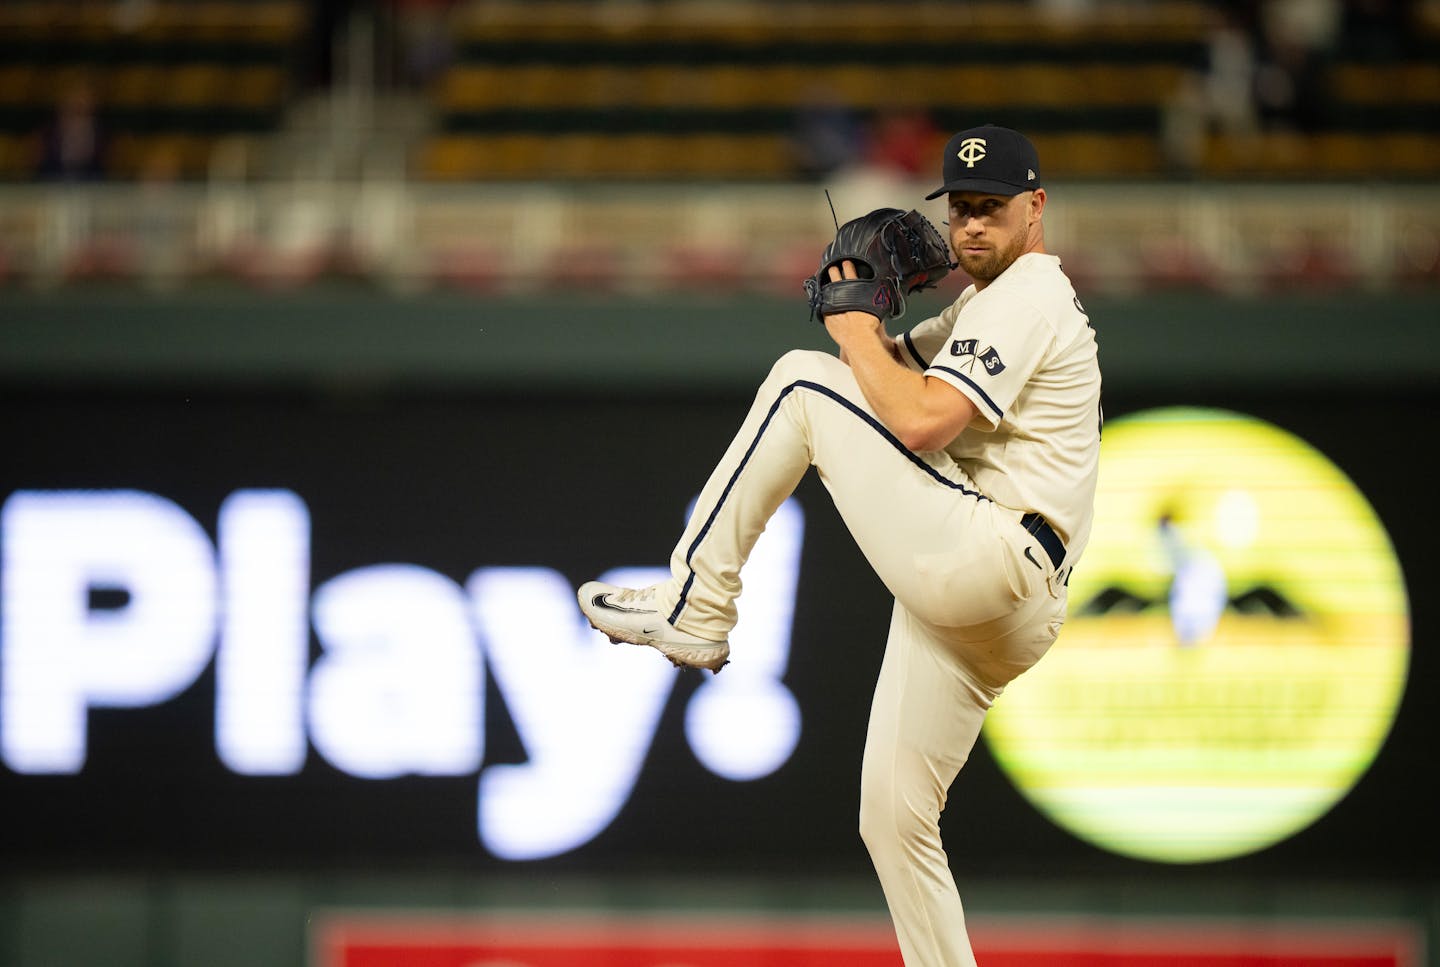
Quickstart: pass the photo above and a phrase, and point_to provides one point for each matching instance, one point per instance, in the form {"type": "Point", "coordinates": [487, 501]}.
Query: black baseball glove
{"type": "Point", "coordinates": [895, 253]}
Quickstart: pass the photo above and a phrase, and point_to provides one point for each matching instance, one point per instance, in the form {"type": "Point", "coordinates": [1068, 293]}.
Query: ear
{"type": "Point", "coordinates": [1037, 204]}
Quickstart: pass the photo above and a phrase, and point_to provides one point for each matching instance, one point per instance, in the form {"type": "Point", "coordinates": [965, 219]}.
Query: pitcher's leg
{"type": "Point", "coordinates": [912, 515]}
{"type": "Point", "coordinates": [762, 466]}
{"type": "Point", "coordinates": [924, 721]}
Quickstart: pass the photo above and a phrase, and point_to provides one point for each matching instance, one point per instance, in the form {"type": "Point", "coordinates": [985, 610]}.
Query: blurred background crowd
{"type": "Point", "coordinates": [280, 141]}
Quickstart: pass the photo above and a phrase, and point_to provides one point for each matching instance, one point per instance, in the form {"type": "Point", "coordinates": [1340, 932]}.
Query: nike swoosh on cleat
{"type": "Point", "coordinates": [1031, 558]}
{"type": "Point", "coordinates": [601, 601]}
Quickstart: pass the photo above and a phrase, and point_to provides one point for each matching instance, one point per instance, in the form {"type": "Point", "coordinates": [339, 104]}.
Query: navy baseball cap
{"type": "Point", "coordinates": [989, 159]}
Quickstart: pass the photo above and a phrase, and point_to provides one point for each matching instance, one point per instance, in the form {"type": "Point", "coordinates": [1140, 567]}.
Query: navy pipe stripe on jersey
{"type": "Point", "coordinates": [999, 413]}
{"type": "Point", "coordinates": [875, 424]}
{"type": "Point", "coordinates": [914, 353]}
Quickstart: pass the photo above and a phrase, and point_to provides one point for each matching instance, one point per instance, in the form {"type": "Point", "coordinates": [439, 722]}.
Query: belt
{"type": "Point", "coordinates": [1039, 528]}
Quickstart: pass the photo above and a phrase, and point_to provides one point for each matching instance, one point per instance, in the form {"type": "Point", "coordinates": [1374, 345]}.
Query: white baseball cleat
{"type": "Point", "coordinates": [626, 614]}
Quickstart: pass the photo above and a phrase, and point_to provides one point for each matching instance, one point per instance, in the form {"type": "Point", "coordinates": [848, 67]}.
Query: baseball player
{"type": "Point", "coordinates": [962, 457]}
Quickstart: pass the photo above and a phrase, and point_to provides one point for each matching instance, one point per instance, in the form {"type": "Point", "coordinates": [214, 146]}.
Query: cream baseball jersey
{"type": "Point", "coordinates": [1022, 350]}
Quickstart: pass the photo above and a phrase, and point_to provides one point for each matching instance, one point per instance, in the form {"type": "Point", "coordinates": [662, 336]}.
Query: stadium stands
{"type": "Point", "coordinates": [164, 79]}
{"type": "Point", "coordinates": [637, 88]}
{"type": "Point", "coordinates": [643, 144]}
{"type": "Point", "coordinates": [685, 90]}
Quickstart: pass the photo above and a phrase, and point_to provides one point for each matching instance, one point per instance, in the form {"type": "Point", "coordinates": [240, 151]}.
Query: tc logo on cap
{"type": "Point", "coordinates": [971, 151]}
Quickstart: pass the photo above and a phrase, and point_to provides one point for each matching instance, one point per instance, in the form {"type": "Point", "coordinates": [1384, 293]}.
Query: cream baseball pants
{"type": "Point", "coordinates": [971, 610]}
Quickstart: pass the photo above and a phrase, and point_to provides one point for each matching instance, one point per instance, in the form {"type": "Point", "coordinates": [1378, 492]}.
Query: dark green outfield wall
{"type": "Point", "coordinates": [357, 339]}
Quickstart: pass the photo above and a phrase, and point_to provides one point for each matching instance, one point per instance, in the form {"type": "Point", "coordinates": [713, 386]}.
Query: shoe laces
{"type": "Point", "coordinates": [635, 595]}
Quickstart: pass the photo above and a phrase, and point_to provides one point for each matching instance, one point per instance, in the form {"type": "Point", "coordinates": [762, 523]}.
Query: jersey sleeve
{"type": "Point", "coordinates": [990, 353]}
{"type": "Point", "coordinates": [920, 344]}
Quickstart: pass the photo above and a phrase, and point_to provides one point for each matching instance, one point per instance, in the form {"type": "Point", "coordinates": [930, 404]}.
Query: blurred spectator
{"type": "Point", "coordinates": [423, 37]}
{"type": "Point", "coordinates": [1230, 76]}
{"type": "Point", "coordinates": [72, 144]}
{"type": "Point", "coordinates": [907, 143]}
{"type": "Point", "coordinates": [327, 21]}
{"type": "Point", "coordinates": [827, 137]}
{"type": "Point", "coordinates": [1297, 38]}
{"type": "Point", "coordinates": [1219, 100]}
{"type": "Point", "coordinates": [896, 148]}
{"type": "Point", "coordinates": [1266, 70]}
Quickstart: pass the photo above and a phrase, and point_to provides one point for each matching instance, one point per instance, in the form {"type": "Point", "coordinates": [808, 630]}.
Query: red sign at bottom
{"type": "Point", "coordinates": [591, 940]}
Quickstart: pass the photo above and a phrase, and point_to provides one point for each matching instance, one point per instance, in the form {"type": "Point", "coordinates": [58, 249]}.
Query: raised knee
{"type": "Point", "coordinates": [804, 365]}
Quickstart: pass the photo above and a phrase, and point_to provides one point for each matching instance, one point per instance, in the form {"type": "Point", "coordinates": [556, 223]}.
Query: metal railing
{"type": "Point", "coordinates": [516, 238]}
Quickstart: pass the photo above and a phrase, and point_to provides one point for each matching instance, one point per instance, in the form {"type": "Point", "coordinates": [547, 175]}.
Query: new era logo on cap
{"type": "Point", "coordinates": [989, 159]}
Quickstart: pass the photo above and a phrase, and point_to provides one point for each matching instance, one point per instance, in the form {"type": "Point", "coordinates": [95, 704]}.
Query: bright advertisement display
{"type": "Point", "coordinates": [348, 638]}
{"type": "Point", "coordinates": [579, 939]}
{"type": "Point", "coordinates": [1237, 646]}
{"type": "Point", "coordinates": [118, 599]}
